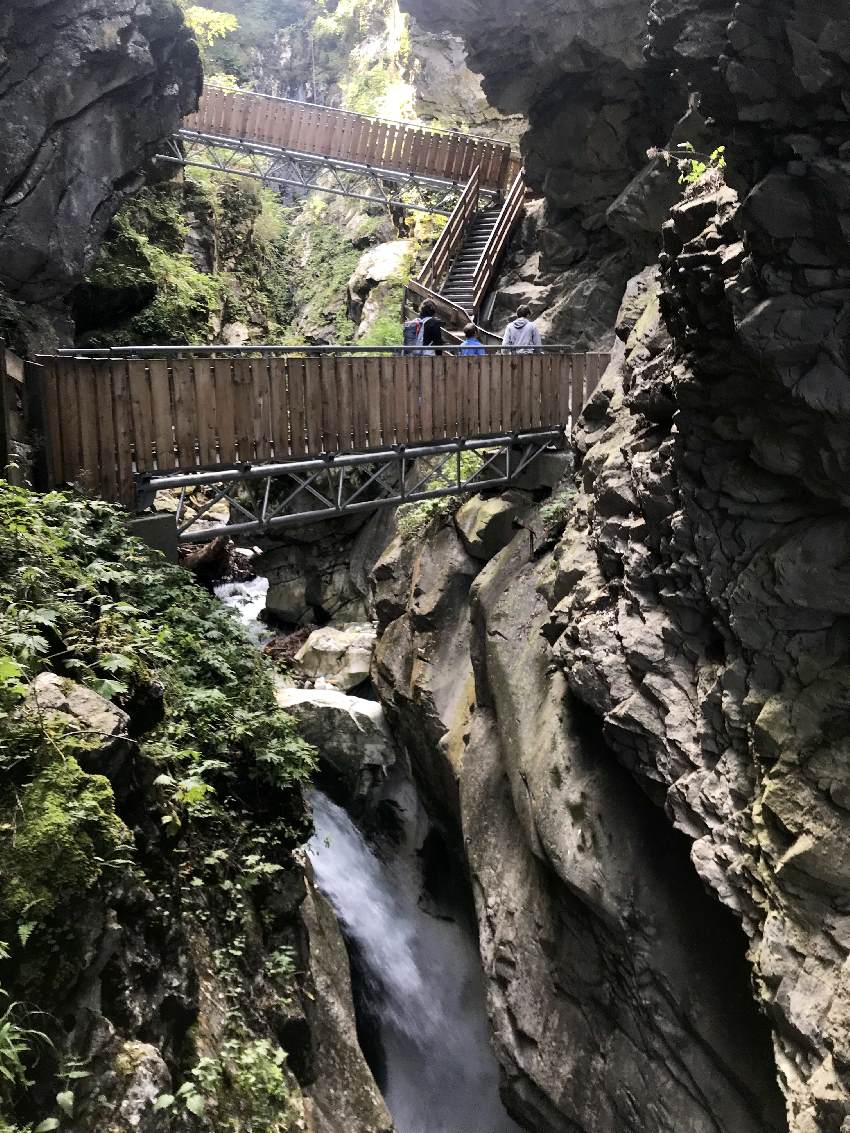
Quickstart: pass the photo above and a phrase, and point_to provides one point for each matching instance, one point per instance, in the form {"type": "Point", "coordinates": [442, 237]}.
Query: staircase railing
{"type": "Point", "coordinates": [488, 262]}
{"type": "Point", "coordinates": [452, 237]}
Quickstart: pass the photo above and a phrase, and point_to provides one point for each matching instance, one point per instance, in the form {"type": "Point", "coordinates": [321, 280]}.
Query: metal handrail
{"type": "Point", "coordinates": [304, 350]}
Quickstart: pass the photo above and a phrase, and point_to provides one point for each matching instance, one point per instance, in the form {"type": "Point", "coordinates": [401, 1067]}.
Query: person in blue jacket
{"type": "Point", "coordinates": [471, 345]}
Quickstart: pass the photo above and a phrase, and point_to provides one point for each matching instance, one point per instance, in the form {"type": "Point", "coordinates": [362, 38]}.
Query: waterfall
{"type": "Point", "coordinates": [421, 971]}
{"type": "Point", "coordinates": [423, 977]}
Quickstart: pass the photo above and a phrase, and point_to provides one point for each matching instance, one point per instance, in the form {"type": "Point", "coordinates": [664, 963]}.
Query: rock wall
{"type": "Point", "coordinates": [685, 642]}
{"type": "Point", "coordinates": [86, 92]}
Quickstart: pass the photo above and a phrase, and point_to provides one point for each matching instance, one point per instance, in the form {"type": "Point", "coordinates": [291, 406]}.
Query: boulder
{"type": "Point", "coordinates": [486, 525]}
{"type": "Point", "coordinates": [350, 734]}
{"type": "Point", "coordinates": [91, 716]}
{"type": "Point", "coordinates": [340, 655]}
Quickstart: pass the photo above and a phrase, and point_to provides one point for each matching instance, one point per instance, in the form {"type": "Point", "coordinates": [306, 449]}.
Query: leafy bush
{"type": "Point", "coordinates": [414, 518]}
{"type": "Point", "coordinates": [82, 600]}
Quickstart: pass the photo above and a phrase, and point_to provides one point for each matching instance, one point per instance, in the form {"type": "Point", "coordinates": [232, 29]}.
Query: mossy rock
{"type": "Point", "coordinates": [65, 828]}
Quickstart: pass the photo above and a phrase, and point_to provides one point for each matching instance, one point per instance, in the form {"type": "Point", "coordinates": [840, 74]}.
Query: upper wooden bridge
{"type": "Point", "coordinates": [476, 182]}
{"type": "Point", "coordinates": [286, 435]}
{"type": "Point", "coordinates": [256, 437]}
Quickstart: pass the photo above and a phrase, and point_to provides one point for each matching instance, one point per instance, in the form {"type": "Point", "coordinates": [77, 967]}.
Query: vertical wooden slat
{"type": "Point", "coordinates": [330, 407]}
{"type": "Point", "coordinates": [145, 413]}
{"type": "Point", "coordinates": [439, 398]}
{"type": "Point", "coordinates": [185, 412]}
{"type": "Point", "coordinates": [576, 400]}
{"type": "Point", "coordinates": [296, 393]}
{"type": "Point", "coordinates": [70, 410]}
{"type": "Point", "coordinates": [486, 366]}
{"type": "Point", "coordinates": [473, 379]}
{"type": "Point", "coordinates": [414, 396]}
{"type": "Point", "coordinates": [243, 410]}
{"type": "Point", "coordinates": [224, 410]}
{"type": "Point", "coordinates": [400, 369]}
{"type": "Point", "coordinates": [278, 409]}
{"type": "Point", "coordinates": [313, 404]}
{"type": "Point", "coordinates": [535, 392]}
{"type": "Point", "coordinates": [518, 372]}
{"type": "Point", "coordinates": [372, 392]}
{"type": "Point", "coordinates": [361, 403]}
{"type": "Point", "coordinates": [206, 410]}
{"type": "Point", "coordinates": [389, 413]}
{"type": "Point", "coordinates": [430, 366]}
{"type": "Point", "coordinates": [345, 405]}
{"type": "Point", "coordinates": [150, 397]}
{"type": "Point", "coordinates": [106, 433]}
{"type": "Point", "coordinates": [86, 373]}
{"type": "Point", "coordinates": [262, 425]}
{"type": "Point", "coordinates": [52, 417]}
{"type": "Point", "coordinates": [122, 417]}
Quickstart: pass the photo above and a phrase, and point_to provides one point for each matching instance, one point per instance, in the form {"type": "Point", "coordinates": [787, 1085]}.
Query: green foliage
{"type": "Point", "coordinates": [555, 513]}
{"type": "Point", "coordinates": [414, 518]}
{"type": "Point", "coordinates": [692, 165]}
{"type": "Point", "coordinates": [208, 24]}
{"type": "Point", "coordinates": [325, 259]}
{"type": "Point", "coordinates": [106, 605]}
{"type": "Point", "coordinates": [144, 288]}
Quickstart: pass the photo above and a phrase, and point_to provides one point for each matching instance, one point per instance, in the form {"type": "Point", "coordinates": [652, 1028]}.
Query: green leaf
{"type": "Point", "coordinates": [195, 1104]}
{"type": "Point", "coordinates": [47, 1125]}
{"type": "Point", "coordinates": [164, 1101]}
{"type": "Point", "coordinates": [108, 688]}
{"type": "Point", "coordinates": [9, 669]}
{"type": "Point", "coordinates": [65, 1101]}
{"type": "Point", "coordinates": [25, 931]}
{"type": "Point", "coordinates": [115, 663]}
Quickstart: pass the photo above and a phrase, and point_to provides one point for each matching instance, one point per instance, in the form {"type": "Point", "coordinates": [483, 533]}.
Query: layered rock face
{"type": "Point", "coordinates": [87, 90]}
{"type": "Point", "coordinates": [696, 609]}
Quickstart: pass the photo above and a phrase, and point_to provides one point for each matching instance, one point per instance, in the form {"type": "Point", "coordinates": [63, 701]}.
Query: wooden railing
{"type": "Point", "coordinates": [345, 136]}
{"type": "Point", "coordinates": [452, 237]}
{"type": "Point", "coordinates": [107, 419]}
{"type": "Point", "coordinates": [497, 243]}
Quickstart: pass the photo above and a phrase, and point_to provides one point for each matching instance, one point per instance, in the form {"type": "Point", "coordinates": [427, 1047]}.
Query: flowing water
{"type": "Point", "coordinates": [419, 970]}
{"type": "Point", "coordinates": [422, 977]}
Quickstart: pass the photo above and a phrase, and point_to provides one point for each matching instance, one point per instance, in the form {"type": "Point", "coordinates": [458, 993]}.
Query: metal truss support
{"type": "Point", "coordinates": [261, 498]}
{"type": "Point", "coordinates": [307, 173]}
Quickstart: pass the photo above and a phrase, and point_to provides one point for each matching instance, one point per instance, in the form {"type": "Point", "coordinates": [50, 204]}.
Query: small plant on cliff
{"type": "Point", "coordinates": [692, 165]}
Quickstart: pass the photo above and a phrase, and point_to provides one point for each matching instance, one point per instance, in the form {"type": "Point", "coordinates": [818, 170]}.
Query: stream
{"type": "Point", "coordinates": [417, 968]}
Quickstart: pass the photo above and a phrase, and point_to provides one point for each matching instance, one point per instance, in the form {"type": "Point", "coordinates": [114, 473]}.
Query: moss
{"type": "Point", "coordinates": [65, 830]}
{"type": "Point", "coordinates": [414, 518]}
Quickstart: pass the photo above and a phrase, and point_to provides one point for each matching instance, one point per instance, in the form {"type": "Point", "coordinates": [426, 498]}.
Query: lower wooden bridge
{"type": "Point", "coordinates": [281, 436]}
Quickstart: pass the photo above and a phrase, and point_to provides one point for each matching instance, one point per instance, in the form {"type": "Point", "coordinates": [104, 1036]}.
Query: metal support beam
{"type": "Point", "coordinates": [278, 495]}
{"type": "Point", "coordinates": [307, 173]}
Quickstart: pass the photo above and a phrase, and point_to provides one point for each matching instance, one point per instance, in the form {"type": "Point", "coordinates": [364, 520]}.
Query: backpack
{"type": "Point", "coordinates": [413, 332]}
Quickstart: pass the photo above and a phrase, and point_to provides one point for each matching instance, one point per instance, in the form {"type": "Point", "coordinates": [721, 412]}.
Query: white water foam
{"type": "Point", "coordinates": [423, 976]}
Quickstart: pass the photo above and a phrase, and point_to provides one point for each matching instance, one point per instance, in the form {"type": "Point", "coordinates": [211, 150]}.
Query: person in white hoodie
{"type": "Point", "coordinates": [521, 334]}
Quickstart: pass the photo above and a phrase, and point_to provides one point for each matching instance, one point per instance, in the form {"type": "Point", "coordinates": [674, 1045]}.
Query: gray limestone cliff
{"type": "Point", "coordinates": [665, 680]}
{"type": "Point", "coordinates": [87, 91]}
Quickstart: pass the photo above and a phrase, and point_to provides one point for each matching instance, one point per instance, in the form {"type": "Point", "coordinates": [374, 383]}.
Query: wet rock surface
{"type": "Point", "coordinates": [87, 91]}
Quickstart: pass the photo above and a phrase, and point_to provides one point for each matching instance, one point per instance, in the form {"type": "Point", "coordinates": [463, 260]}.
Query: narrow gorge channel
{"type": "Point", "coordinates": [416, 971]}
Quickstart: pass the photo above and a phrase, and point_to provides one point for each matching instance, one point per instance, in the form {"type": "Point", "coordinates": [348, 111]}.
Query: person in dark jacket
{"type": "Point", "coordinates": [432, 329]}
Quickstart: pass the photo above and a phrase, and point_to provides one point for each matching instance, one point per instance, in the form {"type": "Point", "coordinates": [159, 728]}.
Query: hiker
{"type": "Point", "coordinates": [423, 334]}
{"type": "Point", "coordinates": [472, 346]}
{"type": "Point", "coordinates": [522, 334]}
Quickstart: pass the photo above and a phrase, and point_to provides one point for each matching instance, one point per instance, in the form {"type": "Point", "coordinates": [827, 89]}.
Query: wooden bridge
{"type": "Point", "coordinates": [301, 146]}
{"type": "Point", "coordinates": [253, 438]}
{"type": "Point", "coordinates": [325, 432]}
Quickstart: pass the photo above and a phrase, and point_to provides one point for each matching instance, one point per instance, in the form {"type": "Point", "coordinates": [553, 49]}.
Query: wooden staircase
{"type": "Point", "coordinates": [464, 262]}
{"type": "Point", "coordinates": [459, 286]}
